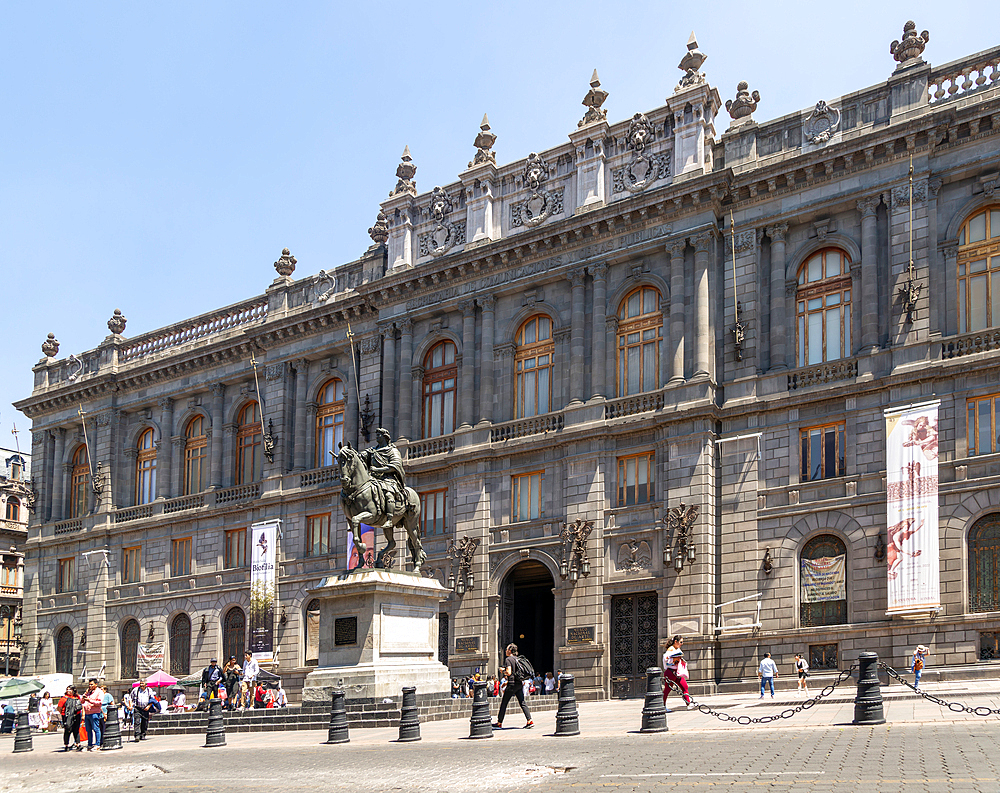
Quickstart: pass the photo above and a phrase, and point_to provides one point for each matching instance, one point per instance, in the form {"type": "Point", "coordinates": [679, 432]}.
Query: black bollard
{"type": "Point", "coordinates": [111, 738]}
{"type": "Point", "coordinates": [868, 702]}
{"type": "Point", "coordinates": [22, 738]}
{"type": "Point", "coordinates": [654, 715]}
{"type": "Point", "coordinates": [216, 734]}
{"type": "Point", "coordinates": [567, 716]}
{"type": "Point", "coordinates": [481, 723]}
{"type": "Point", "coordinates": [338, 719]}
{"type": "Point", "coordinates": [409, 720]}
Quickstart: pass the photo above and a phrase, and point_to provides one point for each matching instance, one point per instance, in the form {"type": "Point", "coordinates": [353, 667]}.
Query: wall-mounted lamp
{"type": "Point", "coordinates": [204, 625]}
{"type": "Point", "coordinates": [83, 638]}
{"type": "Point", "coordinates": [574, 562]}
{"type": "Point", "coordinates": [149, 636]}
{"type": "Point", "coordinates": [463, 552]}
{"type": "Point", "coordinates": [366, 416]}
{"type": "Point", "coordinates": [38, 647]}
{"type": "Point", "coordinates": [678, 523]}
{"type": "Point", "coordinates": [284, 617]}
{"type": "Point", "coordinates": [879, 548]}
{"type": "Point", "coordinates": [768, 564]}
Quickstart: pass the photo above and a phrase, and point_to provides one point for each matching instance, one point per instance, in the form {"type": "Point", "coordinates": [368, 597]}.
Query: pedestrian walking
{"type": "Point", "coordinates": [675, 670]}
{"type": "Point", "coordinates": [71, 712]}
{"type": "Point", "coordinates": [767, 671]}
{"type": "Point", "coordinates": [802, 669]}
{"type": "Point", "coordinates": [516, 670]}
{"type": "Point", "coordinates": [92, 702]}
{"type": "Point", "coordinates": [45, 709]}
{"type": "Point", "coordinates": [917, 663]}
{"type": "Point", "coordinates": [145, 704]}
{"type": "Point", "coordinates": [211, 679]}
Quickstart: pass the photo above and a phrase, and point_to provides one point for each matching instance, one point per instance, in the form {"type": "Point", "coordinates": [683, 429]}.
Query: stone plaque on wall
{"type": "Point", "coordinates": [467, 644]}
{"type": "Point", "coordinates": [345, 631]}
{"type": "Point", "coordinates": [584, 635]}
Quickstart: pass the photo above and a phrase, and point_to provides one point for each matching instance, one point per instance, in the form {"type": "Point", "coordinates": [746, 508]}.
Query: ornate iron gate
{"type": "Point", "coordinates": [634, 645]}
{"type": "Point", "coordinates": [443, 620]}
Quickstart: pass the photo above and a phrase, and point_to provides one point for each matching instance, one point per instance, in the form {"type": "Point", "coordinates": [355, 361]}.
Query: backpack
{"type": "Point", "coordinates": [523, 670]}
{"type": "Point", "coordinates": [71, 708]}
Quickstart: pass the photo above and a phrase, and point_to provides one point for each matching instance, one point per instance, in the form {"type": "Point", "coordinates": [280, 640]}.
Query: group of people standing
{"type": "Point", "coordinates": [89, 710]}
{"type": "Point", "coordinates": [240, 688]}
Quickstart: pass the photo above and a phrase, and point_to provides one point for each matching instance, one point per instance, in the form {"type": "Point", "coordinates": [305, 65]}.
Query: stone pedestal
{"type": "Point", "coordinates": [378, 632]}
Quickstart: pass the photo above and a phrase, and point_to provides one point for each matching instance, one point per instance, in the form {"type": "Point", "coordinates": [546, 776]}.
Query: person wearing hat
{"type": "Point", "coordinates": [917, 664]}
{"type": "Point", "coordinates": [211, 677]}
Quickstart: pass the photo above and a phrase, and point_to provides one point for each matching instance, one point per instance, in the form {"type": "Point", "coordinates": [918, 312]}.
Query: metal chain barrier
{"type": "Point", "coordinates": [954, 707]}
{"type": "Point", "coordinates": [785, 714]}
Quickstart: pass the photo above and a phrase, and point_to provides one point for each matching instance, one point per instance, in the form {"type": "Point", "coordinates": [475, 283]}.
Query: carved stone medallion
{"type": "Point", "coordinates": [821, 124]}
{"type": "Point", "coordinates": [541, 203]}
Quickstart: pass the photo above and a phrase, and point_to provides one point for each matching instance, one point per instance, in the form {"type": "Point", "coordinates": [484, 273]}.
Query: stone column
{"type": "Point", "coordinates": [468, 308]}
{"type": "Point", "coordinates": [310, 454]}
{"type": "Point", "coordinates": [488, 305]}
{"type": "Point", "coordinates": [301, 447]}
{"type": "Point", "coordinates": [702, 347]}
{"type": "Point", "coordinates": [127, 489]}
{"type": "Point", "coordinates": [778, 327]}
{"type": "Point", "coordinates": [389, 379]}
{"type": "Point", "coordinates": [417, 399]}
{"type": "Point", "coordinates": [56, 509]}
{"type": "Point", "coordinates": [405, 422]}
{"type": "Point", "coordinates": [949, 249]}
{"type": "Point", "coordinates": [937, 273]}
{"type": "Point", "coordinates": [178, 443]}
{"type": "Point", "coordinates": [66, 476]}
{"type": "Point", "coordinates": [676, 250]}
{"type": "Point", "coordinates": [611, 361]}
{"type": "Point", "coordinates": [218, 395]}
{"type": "Point", "coordinates": [577, 362]}
{"type": "Point", "coordinates": [164, 450]}
{"type": "Point", "coordinates": [600, 332]}
{"type": "Point", "coordinates": [867, 299]}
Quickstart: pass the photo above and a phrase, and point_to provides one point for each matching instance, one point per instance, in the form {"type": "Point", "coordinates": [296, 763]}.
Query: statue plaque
{"type": "Point", "coordinates": [580, 635]}
{"type": "Point", "coordinates": [345, 631]}
{"type": "Point", "coordinates": [467, 644]}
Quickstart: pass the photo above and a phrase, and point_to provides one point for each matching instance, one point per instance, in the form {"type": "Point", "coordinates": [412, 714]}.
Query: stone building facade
{"type": "Point", "coordinates": [17, 498]}
{"type": "Point", "coordinates": [674, 309]}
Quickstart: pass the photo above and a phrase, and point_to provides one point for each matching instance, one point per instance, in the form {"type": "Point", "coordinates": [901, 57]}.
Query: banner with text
{"type": "Point", "coordinates": [823, 579]}
{"type": "Point", "coordinates": [913, 572]}
{"type": "Point", "coordinates": [263, 571]}
{"type": "Point", "coordinates": [149, 658]}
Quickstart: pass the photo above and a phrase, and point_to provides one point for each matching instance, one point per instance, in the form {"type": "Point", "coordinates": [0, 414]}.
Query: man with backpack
{"type": "Point", "coordinates": [517, 669]}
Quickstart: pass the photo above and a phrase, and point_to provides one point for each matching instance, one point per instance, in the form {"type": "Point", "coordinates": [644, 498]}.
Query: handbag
{"type": "Point", "coordinates": [682, 668]}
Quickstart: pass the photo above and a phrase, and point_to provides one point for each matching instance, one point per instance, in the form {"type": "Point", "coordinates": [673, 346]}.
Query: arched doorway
{"type": "Point", "coordinates": [234, 632]}
{"type": "Point", "coordinates": [527, 615]}
{"type": "Point", "coordinates": [64, 651]}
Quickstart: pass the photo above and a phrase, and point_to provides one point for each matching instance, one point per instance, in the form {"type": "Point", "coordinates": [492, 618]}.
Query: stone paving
{"type": "Point", "coordinates": [923, 747]}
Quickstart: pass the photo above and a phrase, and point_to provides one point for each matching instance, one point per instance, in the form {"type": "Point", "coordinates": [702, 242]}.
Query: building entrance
{"type": "Point", "coordinates": [634, 645]}
{"type": "Point", "coordinates": [527, 615]}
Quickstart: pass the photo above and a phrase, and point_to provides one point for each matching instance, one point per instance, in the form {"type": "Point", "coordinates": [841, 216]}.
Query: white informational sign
{"type": "Point", "coordinates": [913, 569]}
{"type": "Point", "coordinates": [149, 659]}
{"type": "Point", "coordinates": [263, 572]}
{"type": "Point", "coordinates": [823, 579]}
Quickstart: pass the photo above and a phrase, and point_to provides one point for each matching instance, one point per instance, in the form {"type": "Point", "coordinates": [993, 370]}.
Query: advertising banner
{"type": "Point", "coordinates": [823, 579]}
{"type": "Point", "coordinates": [368, 536]}
{"type": "Point", "coordinates": [149, 659]}
{"type": "Point", "coordinates": [263, 572]}
{"type": "Point", "coordinates": [913, 571]}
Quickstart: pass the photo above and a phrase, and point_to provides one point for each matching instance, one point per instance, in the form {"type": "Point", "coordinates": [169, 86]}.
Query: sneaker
{"type": "Point", "coordinates": [762, 696]}
{"type": "Point", "coordinates": [497, 725]}
{"type": "Point", "coordinates": [529, 725]}
{"type": "Point", "coordinates": [691, 706]}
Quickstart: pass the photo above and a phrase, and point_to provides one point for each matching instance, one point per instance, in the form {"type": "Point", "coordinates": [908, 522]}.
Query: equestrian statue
{"type": "Point", "coordinates": [374, 492]}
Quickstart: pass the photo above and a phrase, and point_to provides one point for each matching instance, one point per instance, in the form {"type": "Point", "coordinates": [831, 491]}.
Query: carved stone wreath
{"type": "Point", "coordinates": [821, 124]}
{"type": "Point", "coordinates": [442, 238]}
{"type": "Point", "coordinates": [540, 205]}
{"type": "Point", "coordinates": [640, 173]}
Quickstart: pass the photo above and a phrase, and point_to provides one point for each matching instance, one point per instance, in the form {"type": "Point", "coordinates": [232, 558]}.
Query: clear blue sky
{"type": "Point", "coordinates": [157, 157]}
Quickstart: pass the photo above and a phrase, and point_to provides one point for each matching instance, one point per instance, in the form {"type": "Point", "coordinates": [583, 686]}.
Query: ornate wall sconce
{"type": "Point", "coordinates": [574, 561]}
{"type": "Point", "coordinates": [463, 552]}
{"type": "Point", "coordinates": [83, 638]}
{"type": "Point", "coordinates": [366, 416]}
{"type": "Point", "coordinates": [204, 625]}
{"type": "Point", "coordinates": [149, 635]}
{"type": "Point", "coordinates": [269, 440]}
{"type": "Point", "coordinates": [38, 647]}
{"type": "Point", "coordinates": [678, 523]}
{"type": "Point", "coordinates": [768, 564]}
{"type": "Point", "coordinates": [879, 548]}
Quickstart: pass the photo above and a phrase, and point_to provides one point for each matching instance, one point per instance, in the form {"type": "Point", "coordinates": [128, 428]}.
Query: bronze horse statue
{"type": "Point", "coordinates": [363, 500]}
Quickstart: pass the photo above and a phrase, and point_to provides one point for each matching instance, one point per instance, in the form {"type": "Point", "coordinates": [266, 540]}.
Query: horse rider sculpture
{"type": "Point", "coordinates": [385, 464]}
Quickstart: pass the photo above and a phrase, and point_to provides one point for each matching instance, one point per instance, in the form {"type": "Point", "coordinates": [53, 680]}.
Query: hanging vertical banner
{"type": "Point", "coordinates": [913, 571]}
{"type": "Point", "coordinates": [353, 552]}
{"type": "Point", "coordinates": [263, 573]}
{"type": "Point", "coordinates": [823, 579]}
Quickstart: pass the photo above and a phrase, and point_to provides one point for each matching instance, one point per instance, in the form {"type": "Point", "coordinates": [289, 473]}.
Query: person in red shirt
{"type": "Point", "coordinates": [71, 713]}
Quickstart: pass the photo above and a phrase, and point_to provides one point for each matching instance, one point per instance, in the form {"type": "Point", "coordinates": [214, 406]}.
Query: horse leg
{"type": "Point", "coordinates": [411, 521]}
{"type": "Point", "coordinates": [390, 542]}
{"type": "Point", "coordinates": [359, 543]}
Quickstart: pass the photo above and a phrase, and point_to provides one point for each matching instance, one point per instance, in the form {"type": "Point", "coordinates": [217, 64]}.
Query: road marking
{"type": "Point", "coordinates": [729, 773]}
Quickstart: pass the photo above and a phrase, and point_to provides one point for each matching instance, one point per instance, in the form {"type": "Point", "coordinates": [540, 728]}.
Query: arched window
{"type": "Point", "coordinates": [533, 365]}
{"type": "Point", "coordinates": [234, 628]}
{"type": "Point", "coordinates": [823, 307]}
{"type": "Point", "coordinates": [440, 379]}
{"type": "Point", "coordinates": [312, 633]}
{"type": "Point", "coordinates": [180, 645]}
{"type": "Point", "coordinates": [248, 443]}
{"type": "Point", "coordinates": [640, 330]}
{"type": "Point", "coordinates": [16, 467]}
{"type": "Point", "coordinates": [984, 556]}
{"type": "Point", "coordinates": [329, 422]}
{"type": "Point", "coordinates": [130, 650]}
{"type": "Point", "coordinates": [13, 508]}
{"type": "Point", "coordinates": [195, 456]}
{"type": "Point", "coordinates": [145, 468]}
{"type": "Point", "coordinates": [79, 485]}
{"type": "Point", "coordinates": [823, 582]}
{"type": "Point", "coordinates": [979, 271]}
{"type": "Point", "coordinates": [64, 651]}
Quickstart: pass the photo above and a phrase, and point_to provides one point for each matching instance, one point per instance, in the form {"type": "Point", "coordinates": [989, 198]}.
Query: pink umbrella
{"type": "Point", "coordinates": [159, 679]}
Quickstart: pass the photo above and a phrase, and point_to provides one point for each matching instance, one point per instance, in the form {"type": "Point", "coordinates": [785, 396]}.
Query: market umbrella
{"type": "Point", "coordinates": [19, 687]}
{"type": "Point", "coordinates": [158, 679]}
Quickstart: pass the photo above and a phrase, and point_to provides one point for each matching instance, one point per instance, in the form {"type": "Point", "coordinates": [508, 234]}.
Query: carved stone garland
{"type": "Point", "coordinates": [542, 203]}
{"type": "Point", "coordinates": [643, 169]}
{"type": "Point", "coordinates": [445, 234]}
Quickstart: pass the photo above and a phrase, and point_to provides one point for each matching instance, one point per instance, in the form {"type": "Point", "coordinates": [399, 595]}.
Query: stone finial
{"type": "Point", "coordinates": [745, 103]}
{"type": "Point", "coordinates": [691, 65]}
{"type": "Point", "coordinates": [117, 323]}
{"type": "Point", "coordinates": [595, 97]}
{"type": "Point", "coordinates": [405, 172]}
{"type": "Point", "coordinates": [912, 45]}
{"type": "Point", "coordinates": [50, 347]}
{"type": "Point", "coordinates": [484, 144]}
{"type": "Point", "coordinates": [380, 231]}
{"type": "Point", "coordinates": [286, 263]}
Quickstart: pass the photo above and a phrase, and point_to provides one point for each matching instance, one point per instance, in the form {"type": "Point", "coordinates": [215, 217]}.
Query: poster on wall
{"type": "Point", "coordinates": [913, 572]}
{"type": "Point", "coordinates": [263, 572]}
{"type": "Point", "coordinates": [368, 537]}
{"type": "Point", "coordinates": [823, 579]}
{"type": "Point", "coordinates": [149, 658]}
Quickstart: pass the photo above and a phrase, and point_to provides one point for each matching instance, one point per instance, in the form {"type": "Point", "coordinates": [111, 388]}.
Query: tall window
{"type": "Point", "coordinates": [195, 456]}
{"type": "Point", "coordinates": [432, 513]}
{"type": "Point", "coordinates": [635, 479]}
{"type": "Point", "coordinates": [440, 379]}
{"type": "Point", "coordinates": [234, 629]}
{"type": "Point", "coordinates": [79, 484]}
{"type": "Point", "coordinates": [318, 535]}
{"type": "Point", "coordinates": [16, 467]}
{"type": "Point", "coordinates": [533, 366]}
{"type": "Point", "coordinates": [145, 468]}
{"type": "Point", "coordinates": [526, 497]}
{"type": "Point", "coordinates": [180, 557]}
{"type": "Point", "coordinates": [640, 329]}
{"type": "Point", "coordinates": [979, 271]}
{"type": "Point", "coordinates": [984, 564]}
{"type": "Point", "coordinates": [823, 452]}
{"type": "Point", "coordinates": [981, 425]}
{"type": "Point", "coordinates": [823, 582]}
{"type": "Point", "coordinates": [823, 300]}
{"type": "Point", "coordinates": [130, 650]}
{"type": "Point", "coordinates": [64, 651]}
{"type": "Point", "coordinates": [236, 548]}
{"type": "Point", "coordinates": [248, 445]}
{"type": "Point", "coordinates": [130, 565]}
{"type": "Point", "coordinates": [66, 575]}
{"type": "Point", "coordinates": [13, 508]}
{"type": "Point", "coordinates": [180, 645]}
{"type": "Point", "coordinates": [329, 422]}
